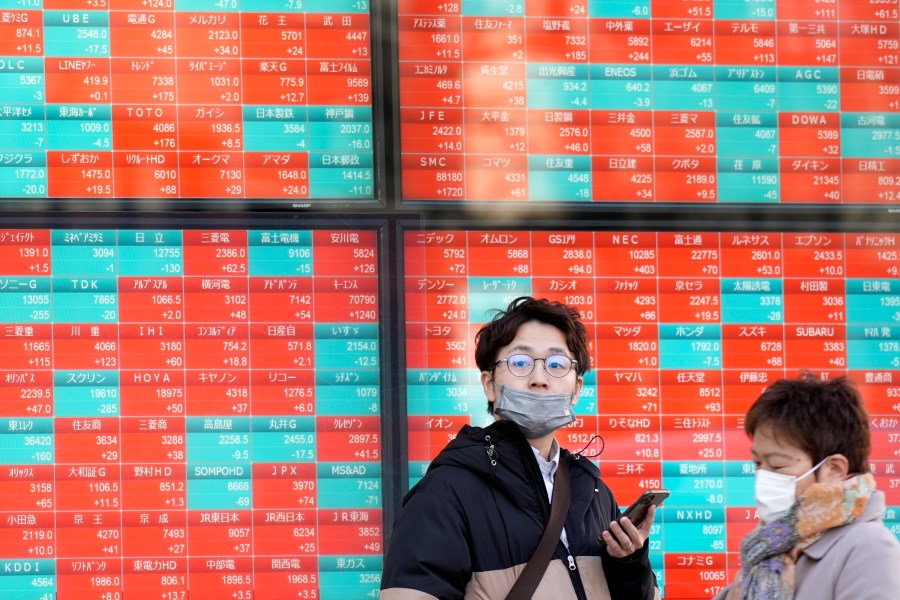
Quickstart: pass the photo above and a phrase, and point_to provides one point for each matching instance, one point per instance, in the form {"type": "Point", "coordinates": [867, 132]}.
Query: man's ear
{"type": "Point", "coordinates": [836, 468]}
{"type": "Point", "coordinates": [491, 389]}
{"type": "Point", "coordinates": [579, 383]}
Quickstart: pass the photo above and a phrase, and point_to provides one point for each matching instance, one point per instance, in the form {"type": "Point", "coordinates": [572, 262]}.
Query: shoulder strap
{"type": "Point", "coordinates": [559, 507]}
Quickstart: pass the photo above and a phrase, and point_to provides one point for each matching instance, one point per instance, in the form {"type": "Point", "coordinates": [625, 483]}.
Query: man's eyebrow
{"type": "Point", "coordinates": [527, 348]}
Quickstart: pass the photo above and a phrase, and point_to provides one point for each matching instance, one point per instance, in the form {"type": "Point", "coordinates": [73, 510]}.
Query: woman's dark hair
{"type": "Point", "coordinates": [821, 417]}
{"type": "Point", "coordinates": [502, 329]}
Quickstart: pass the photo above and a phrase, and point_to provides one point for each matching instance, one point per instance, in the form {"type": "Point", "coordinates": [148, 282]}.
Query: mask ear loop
{"type": "Point", "coordinates": [581, 454]}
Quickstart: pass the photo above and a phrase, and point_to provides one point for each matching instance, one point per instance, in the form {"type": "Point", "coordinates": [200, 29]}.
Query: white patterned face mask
{"type": "Point", "coordinates": [776, 492]}
{"type": "Point", "coordinates": [536, 415]}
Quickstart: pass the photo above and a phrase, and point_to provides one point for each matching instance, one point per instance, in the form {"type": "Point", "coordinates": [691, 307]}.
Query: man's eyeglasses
{"type": "Point", "coordinates": [521, 365]}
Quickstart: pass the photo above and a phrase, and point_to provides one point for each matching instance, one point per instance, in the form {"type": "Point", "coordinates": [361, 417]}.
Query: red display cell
{"type": "Point", "coordinates": [627, 479]}
{"type": "Point", "coordinates": [880, 393]}
{"type": "Point", "coordinates": [813, 255]}
{"type": "Point", "coordinates": [265, 36]}
{"type": "Point", "coordinates": [688, 254]}
{"type": "Point", "coordinates": [867, 180]}
{"type": "Point", "coordinates": [284, 84]}
{"type": "Point", "coordinates": [432, 84]}
{"type": "Point", "coordinates": [283, 392]}
{"type": "Point", "coordinates": [810, 179]}
{"type": "Point", "coordinates": [742, 388]}
{"type": "Point", "coordinates": [159, 487]}
{"type": "Point", "coordinates": [630, 302]}
{"type": "Point", "coordinates": [429, 434]}
{"type": "Point", "coordinates": [496, 132]}
{"type": "Point", "coordinates": [493, 177]}
{"type": "Point", "coordinates": [151, 346]}
{"type": "Point", "coordinates": [620, 41]}
{"type": "Point", "coordinates": [215, 253]}
{"type": "Point", "coordinates": [143, 86]}
{"type": "Point", "coordinates": [690, 300]}
{"type": "Point", "coordinates": [296, 576]}
{"type": "Point", "coordinates": [216, 300]}
{"type": "Point", "coordinates": [622, 179]}
{"type": "Point", "coordinates": [809, 134]}
{"type": "Point", "coordinates": [357, 532]}
{"type": "Point", "coordinates": [682, 42]}
{"type": "Point", "coordinates": [802, 11]}
{"type": "Point", "coordinates": [156, 300]}
{"type": "Point", "coordinates": [688, 178]}
{"type": "Point", "coordinates": [625, 254]}
{"type": "Point", "coordinates": [22, 33]}
{"type": "Point", "coordinates": [445, 300]}
{"type": "Point", "coordinates": [146, 174]}
{"type": "Point", "coordinates": [702, 9]}
{"type": "Point", "coordinates": [27, 348]}
{"type": "Point", "coordinates": [342, 300]}
{"type": "Point", "coordinates": [282, 347]}
{"type": "Point", "coordinates": [885, 434]}
{"type": "Point", "coordinates": [693, 437]}
{"type": "Point", "coordinates": [429, 38]}
{"type": "Point", "coordinates": [752, 346]}
{"type": "Point", "coordinates": [282, 486]}
{"type": "Point", "coordinates": [152, 392]}
{"type": "Point", "coordinates": [93, 346]}
{"type": "Point", "coordinates": [26, 393]}
{"type": "Point", "coordinates": [869, 44]}
{"type": "Point", "coordinates": [330, 38]}
{"type": "Point", "coordinates": [277, 175]}
{"type": "Point", "coordinates": [872, 255]}
{"type": "Point", "coordinates": [559, 132]}
{"type": "Point", "coordinates": [142, 34]}
{"type": "Point", "coordinates": [214, 127]}
{"type": "Point", "coordinates": [348, 439]}
{"type": "Point", "coordinates": [886, 479]}
{"type": "Point", "coordinates": [738, 41]}
{"type": "Point", "coordinates": [737, 445]}
{"type": "Point", "coordinates": [345, 82]}
{"type": "Point", "coordinates": [28, 489]}
{"type": "Point", "coordinates": [25, 252]}
{"type": "Point", "coordinates": [690, 575]}
{"type": "Point", "coordinates": [564, 254]}
{"type": "Point", "coordinates": [207, 34]}
{"type": "Point", "coordinates": [488, 42]}
{"type": "Point", "coordinates": [803, 42]}
{"type": "Point", "coordinates": [815, 301]}
{"type": "Point", "coordinates": [87, 441]}
{"type": "Point", "coordinates": [435, 345]}
{"type": "Point", "coordinates": [501, 87]}
{"type": "Point", "coordinates": [691, 393]}
{"type": "Point", "coordinates": [562, 40]}
{"type": "Point", "coordinates": [29, 535]}
{"type": "Point", "coordinates": [433, 130]}
{"type": "Point", "coordinates": [815, 347]}
{"type": "Point", "coordinates": [869, 90]}
{"type": "Point", "coordinates": [217, 393]}
{"type": "Point", "coordinates": [77, 80]}
{"type": "Point", "coordinates": [77, 174]}
{"type": "Point", "coordinates": [153, 440]}
{"type": "Point", "coordinates": [685, 133]}
{"type": "Point", "coordinates": [500, 254]}
{"type": "Point", "coordinates": [575, 292]}
{"type": "Point", "coordinates": [627, 392]}
{"type": "Point", "coordinates": [80, 486]}
{"type": "Point", "coordinates": [435, 253]}
{"type": "Point", "coordinates": [210, 535]}
{"type": "Point", "coordinates": [622, 135]}
{"type": "Point", "coordinates": [281, 300]}
{"type": "Point", "coordinates": [853, 10]}
{"type": "Point", "coordinates": [631, 438]}
{"type": "Point", "coordinates": [752, 255]}
{"type": "Point", "coordinates": [346, 253]}
{"type": "Point", "coordinates": [90, 534]}
{"type": "Point", "coordinates": [433, 177]}
{"type": "Point", "coordinates": [159, 534]}
{"type": "Point", "coordinates": [285, 533]}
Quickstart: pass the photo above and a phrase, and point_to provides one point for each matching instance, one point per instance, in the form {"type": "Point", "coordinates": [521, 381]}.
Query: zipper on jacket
{"type": "Point", "coordinates": [572, 566]}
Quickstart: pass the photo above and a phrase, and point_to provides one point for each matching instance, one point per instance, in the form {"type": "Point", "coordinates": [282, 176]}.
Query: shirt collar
{"type": "Point", "coordinates": [548, 467]}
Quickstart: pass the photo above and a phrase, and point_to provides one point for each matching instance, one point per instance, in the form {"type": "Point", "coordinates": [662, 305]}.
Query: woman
{"type": "Point", "coordinates": [820, 535]}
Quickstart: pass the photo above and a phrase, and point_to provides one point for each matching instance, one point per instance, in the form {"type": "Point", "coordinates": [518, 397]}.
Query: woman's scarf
{"type": "Point", "coordinates": [769, 552]}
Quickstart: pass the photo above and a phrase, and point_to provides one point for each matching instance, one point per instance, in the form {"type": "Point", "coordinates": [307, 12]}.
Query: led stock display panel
{"type": "Point", "coordinates": [189, 413]}
{"type": "Point", "coordinates": [685, 330]}
{"type": "Point", "coordinates": [705, 101]}
{"type": "Point", "coordinates": [224, 100]}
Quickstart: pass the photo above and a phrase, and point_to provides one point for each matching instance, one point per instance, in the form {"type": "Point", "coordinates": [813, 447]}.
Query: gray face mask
{"type": "Point", "coordinates": [536, 415]}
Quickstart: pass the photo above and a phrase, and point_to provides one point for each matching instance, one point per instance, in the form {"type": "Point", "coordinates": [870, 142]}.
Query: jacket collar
{"type": "Point", "coordinates": [873, 512]}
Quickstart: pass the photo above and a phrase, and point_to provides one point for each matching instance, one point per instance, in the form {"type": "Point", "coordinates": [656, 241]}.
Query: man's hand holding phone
{"type": "Point", "coordinates": [628, 534]}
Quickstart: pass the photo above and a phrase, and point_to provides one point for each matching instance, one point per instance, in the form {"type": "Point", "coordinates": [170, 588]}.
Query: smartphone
{"type": "Point", "coordinates": [638, 509]}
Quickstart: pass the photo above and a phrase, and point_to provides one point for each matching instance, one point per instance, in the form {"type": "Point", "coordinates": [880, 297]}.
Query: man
{"type": "Point", "coordinates": [468, 528]}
